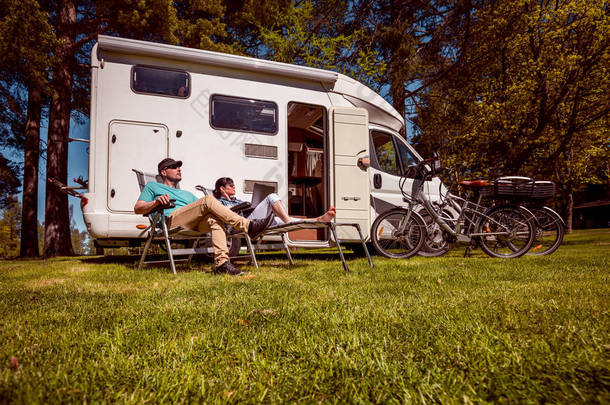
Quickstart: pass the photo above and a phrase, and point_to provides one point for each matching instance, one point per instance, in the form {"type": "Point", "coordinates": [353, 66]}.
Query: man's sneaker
{"type": "Point", "coordinates": [259, 225]}
{"type": "Point", "coordinates": [228, 268]}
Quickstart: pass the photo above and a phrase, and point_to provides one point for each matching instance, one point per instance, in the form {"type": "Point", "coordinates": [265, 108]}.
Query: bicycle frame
{"type": "Point", "coordinates": [470, 214]}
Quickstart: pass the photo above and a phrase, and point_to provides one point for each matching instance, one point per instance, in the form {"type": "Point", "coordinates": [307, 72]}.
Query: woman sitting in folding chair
{"type": "Point", "coordinates": [224, 191]}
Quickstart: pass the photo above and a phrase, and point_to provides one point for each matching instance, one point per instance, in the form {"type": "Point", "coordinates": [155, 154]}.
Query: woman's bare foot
{"type": "Point", "coordinates": [330, 214]}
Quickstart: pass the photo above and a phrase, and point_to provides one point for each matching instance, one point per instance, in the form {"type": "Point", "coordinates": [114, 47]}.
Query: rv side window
{"type": "Point", "coordinates": [240, 114]}
{"type": "Point", "coordinates": [385, 153]}
{"type": "Point", "coordinates": [163, 82]}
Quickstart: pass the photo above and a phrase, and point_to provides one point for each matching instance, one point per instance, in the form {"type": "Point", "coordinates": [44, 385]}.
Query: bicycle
{"type": "Point", "coordinates": [550, 228]}
{"type": "Point", "coordinates": [505, 231]}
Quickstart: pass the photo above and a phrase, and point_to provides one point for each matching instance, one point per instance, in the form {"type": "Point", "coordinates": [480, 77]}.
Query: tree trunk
{"type": "Point", "coordinates": [399, 11]}
{"type": "Point", "coordinates": [397, 88]}
{"type": "Point", "coordinates": [29, 209]}
{"type": "Point", "coordinates": [57, 238]}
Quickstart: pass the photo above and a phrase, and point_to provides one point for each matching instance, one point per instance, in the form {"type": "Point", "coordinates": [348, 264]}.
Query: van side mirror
{"type": "Point", "coordinates": [436, 164]}
{"type": "Point", "coordinates": [364, 162]}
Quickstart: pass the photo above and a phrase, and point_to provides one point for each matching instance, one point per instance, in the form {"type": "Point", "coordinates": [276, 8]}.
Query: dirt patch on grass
{"type": "Point", "coordinates": [79, 269]}
{"type": "Point", "coordinates": [48, 282]}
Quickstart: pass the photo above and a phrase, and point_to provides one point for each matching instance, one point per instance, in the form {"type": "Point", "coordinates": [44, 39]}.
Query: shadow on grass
{"type": "Point", "coordinates": [262, 258]}
{"type": "Point", "coordinates": [114, 259]}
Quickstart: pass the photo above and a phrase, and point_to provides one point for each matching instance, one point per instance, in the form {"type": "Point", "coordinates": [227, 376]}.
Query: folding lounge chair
{"type": "Point", "coordinates": [159, 231]}
{"type": "Point", "coordinates": [283, 230]}
{"type": "Point", "coordinates": [259, 192]}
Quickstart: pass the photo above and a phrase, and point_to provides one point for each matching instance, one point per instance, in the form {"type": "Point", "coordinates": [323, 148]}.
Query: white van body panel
{"type": "Point", "coordinates": [351, 184]}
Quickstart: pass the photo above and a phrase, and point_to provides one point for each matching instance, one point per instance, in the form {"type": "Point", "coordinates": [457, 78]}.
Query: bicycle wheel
{"type": "Point", "coordinates": [549, 231]}
{"type": "Point", "coordinates": [506, 232]}
{"type": "Point", "coordinates": [435, 243]}
{"type": "Point", "coordinates": [396, 237]}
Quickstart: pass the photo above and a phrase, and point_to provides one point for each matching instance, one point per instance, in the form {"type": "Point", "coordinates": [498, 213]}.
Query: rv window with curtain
{"type": "Point", "coordinates": [240, 114]}
{"type": "Point", "coordinates": [164, 82]}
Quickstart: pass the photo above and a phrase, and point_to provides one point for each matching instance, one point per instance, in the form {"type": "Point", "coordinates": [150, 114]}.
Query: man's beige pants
{"type": "Point", "coordinates": [208, 215]}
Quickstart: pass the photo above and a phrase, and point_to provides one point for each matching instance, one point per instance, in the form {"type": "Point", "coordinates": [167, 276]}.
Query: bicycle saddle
{"type": "Point", "coordinates": [475, 183]}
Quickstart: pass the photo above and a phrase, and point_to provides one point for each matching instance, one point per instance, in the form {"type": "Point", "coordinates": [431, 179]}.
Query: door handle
{"type": "Point", "coordinates": [377, 180]}
{"type": "Point", "coordinates": [350, 198]}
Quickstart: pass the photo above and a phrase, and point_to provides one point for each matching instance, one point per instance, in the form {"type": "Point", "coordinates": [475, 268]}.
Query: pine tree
{"type": "Point", "coordinates": [316, 33]}
{"type": "Point", "coordinates": [24, 61]}
{"type": "Point", "coordinates": [57, 230]}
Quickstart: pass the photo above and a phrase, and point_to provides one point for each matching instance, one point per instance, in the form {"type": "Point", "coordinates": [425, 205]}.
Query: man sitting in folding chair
{"type": "Point", "coordinates": [204, 215]}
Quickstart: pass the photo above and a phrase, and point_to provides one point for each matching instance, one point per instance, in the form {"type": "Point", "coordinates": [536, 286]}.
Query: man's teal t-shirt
{"type": "Point", "coordinates": [154, 190]}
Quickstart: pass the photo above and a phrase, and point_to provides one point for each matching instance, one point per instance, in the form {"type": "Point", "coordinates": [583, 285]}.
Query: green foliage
{"type": "Point", "coordinates": [80, 242]}
{"type": "Point", "coordinates": [200, 25]}
{"type": "Point", "coordinates": [26, 36]}
{"type": "Point", "coordinates": [140, 19]}
{"type": "Point", "coordinates": [313, 33]}
{"type": "Point", "coordinates": [191, 23]}
{"type": "Point", "coordinates": [244, 20]}
{"type": "Point", "coordinates": [423, 330]}
{"type": "Point", "coordinates": [295, 39]}
{"type": "Point", "coordinates": [9, 182]}
{"type": "Point", "coordinates": [395, 32]}
{"type": "Point", "coordinates": [10, 232]}
{"type": "Point", "coordinates": [525, 91]}
{"type": "Point", "coordinates": [10, 229]}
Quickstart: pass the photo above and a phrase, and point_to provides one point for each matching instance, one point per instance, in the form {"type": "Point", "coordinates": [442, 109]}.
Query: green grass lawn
{"type": "Point", "coordinates": [449, 329]}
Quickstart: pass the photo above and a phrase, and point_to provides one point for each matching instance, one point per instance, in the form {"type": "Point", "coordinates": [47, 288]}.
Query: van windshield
{"type": "Point", "coordinates": [406, 157]}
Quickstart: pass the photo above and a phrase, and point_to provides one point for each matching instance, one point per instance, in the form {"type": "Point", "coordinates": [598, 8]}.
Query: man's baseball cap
{"type": "Point", "coordinates": [167, 162]}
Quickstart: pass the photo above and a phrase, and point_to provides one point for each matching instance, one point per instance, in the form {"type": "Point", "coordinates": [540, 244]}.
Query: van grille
{"type": "Point", "coordinates": [249, 185]}
{"type": "Point", "coordinates": [260, 151]}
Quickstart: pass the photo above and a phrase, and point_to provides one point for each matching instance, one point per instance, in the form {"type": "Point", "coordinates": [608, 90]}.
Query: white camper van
{"type": "Point", "coordinates": [298, 129]}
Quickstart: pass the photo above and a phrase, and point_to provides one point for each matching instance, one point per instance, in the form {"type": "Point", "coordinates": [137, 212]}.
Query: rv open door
{"type": "Point", "coordinates": [350, 139]}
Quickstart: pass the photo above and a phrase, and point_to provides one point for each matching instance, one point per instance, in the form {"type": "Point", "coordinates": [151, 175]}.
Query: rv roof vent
{"type": "Point", "coordinates": [260, 151]}
{"type": "Point", "coordinates": [249, 185]}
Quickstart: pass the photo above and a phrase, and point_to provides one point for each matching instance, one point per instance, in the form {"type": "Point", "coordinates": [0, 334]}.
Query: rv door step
{"type": "Point", "coordinates": [192, 251]}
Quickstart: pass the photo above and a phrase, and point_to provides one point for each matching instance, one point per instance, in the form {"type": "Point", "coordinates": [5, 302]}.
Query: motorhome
{"type": "Point", "coordinates": [306, 132]}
